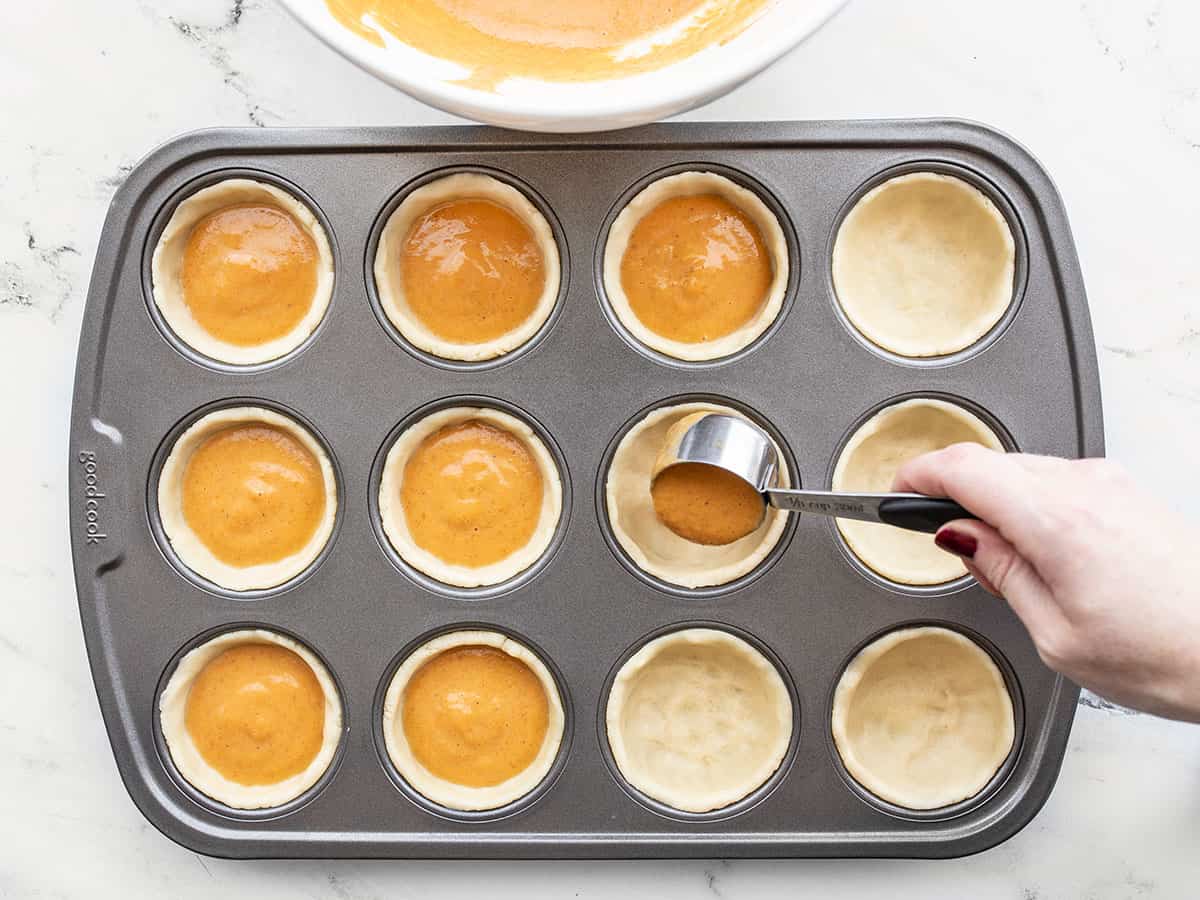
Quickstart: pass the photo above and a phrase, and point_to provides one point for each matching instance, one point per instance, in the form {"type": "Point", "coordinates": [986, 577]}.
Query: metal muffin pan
{"type": "Point", "coordinates": [809, 607]}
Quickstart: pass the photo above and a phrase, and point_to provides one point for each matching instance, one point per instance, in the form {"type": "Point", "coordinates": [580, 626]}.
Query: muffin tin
{"type": "Point", "coordinates": [808, 607]}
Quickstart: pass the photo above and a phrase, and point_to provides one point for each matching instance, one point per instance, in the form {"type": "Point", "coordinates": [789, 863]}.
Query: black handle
{"type": "Point", "coordinates": [926, 514]}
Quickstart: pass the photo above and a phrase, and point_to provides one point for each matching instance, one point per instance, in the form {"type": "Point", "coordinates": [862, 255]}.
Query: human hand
{"type": "Point", "coordinates": [1106, 578]}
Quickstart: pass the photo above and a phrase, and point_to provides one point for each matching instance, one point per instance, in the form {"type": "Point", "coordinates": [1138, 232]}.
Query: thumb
{"type": "Point", "coordinates": [1001, 570]}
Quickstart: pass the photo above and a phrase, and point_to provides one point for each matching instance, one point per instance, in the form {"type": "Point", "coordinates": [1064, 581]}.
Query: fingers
{"type": "Point", "coordinates": [978, 575]}
{"type": "Point", "coordinates": [1003, 571]}
{"type": "Point", "coordinates": [1002, 489]}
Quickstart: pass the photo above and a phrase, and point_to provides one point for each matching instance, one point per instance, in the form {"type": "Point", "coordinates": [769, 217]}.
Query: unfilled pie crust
{"type": "Point", "coordinates": [922, 718]}
{"type": "Point", "coordinates": [869, 462]}
{"type": "Point", "coordinates": [923, 265]}
{"type": "Point", "coordinates": [698, 719]}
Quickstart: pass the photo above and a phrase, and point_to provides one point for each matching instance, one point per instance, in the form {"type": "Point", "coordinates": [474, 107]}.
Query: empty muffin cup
{"type": "Point", "coordinates": [698, 719]}
{"type": "Point", "coordinates": [924, 265]}
{"type": "Point", "coordinates": [922, 718]}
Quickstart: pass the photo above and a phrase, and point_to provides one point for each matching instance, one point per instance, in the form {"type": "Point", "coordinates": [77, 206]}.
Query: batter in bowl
{"type": "Point", "coordinates": [568, 40]}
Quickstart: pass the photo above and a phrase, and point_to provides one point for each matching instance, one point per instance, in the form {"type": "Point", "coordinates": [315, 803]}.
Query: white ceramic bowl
{"type": "Point", "coordinates": [578, 106]}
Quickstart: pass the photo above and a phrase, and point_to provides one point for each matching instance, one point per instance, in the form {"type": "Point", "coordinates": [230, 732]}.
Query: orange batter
{"type": "Point", "coordinates": [471, 270]}
{"type": "Point", "coordinates": [249, 273]}
{"type": "Point", "coordinates": [256, 713]}
{"type": "Point", "coordinates": [471, 494]}
{"type": "Point", "coordinates": [705, 504]}
{"type": "Point", "coordinates": [253, 494]}
{"type": "Point", "coordinates": [695, 269]}
{"type": "Point", "coordinates": [475, 716]}
{"type": "Point", "coordinates": [550, 40]}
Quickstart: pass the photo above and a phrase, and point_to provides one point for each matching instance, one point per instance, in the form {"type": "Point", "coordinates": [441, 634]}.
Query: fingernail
{"type": "Point", "coordinates": [957, 543]}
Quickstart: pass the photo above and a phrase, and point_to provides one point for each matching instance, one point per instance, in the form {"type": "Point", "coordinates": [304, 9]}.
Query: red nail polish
{"type": "Point", "coordinates": [957, 543]}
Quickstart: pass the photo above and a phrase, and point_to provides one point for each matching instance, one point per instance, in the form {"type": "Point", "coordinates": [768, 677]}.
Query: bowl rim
{"type": "Point", "coordinates": [627, 106]}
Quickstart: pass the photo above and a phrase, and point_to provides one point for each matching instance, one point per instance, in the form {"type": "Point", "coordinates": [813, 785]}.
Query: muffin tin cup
{"type": "Point", "coordinates": [852, 558]}
{"type": "Point", "coordinates": [428, 582]}
{"type": "Point", "coordinates": [661, 584]}
{"type": "Point", "coordinates": [159, 225]}
{"type": "Point", "coordinates": [265, 814]}
{"type": "Point", "coordinates": [458, 365]}
{"type": "Point", "coordinates": [483, 815]}
{"type": "Point", "coordinates": [963, 807]}
{"type": "Point", "coordinates": [753, 797]}
{"type": "Point", "coordinates": [154, 515]}
{"type": "Point", "coordinates": [579, 383]}
{"type": "Point", "coordinates": [741, 179]}
{"type": "Point", "coordinates": [1020, 261]}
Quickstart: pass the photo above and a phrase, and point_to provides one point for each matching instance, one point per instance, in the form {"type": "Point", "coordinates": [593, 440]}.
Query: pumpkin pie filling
{"type": "Point", "coordinates": [253, 494]}
{"type": "Point", "coordinates": [242, 272]}
{"type": "Point", "coordinates": [472, 270]}
{"type": "Point", "coordinates": [696, 269]}
{"type": "Point", "coordinates": [475, 715]}
{"type": "Point", "coordinates": [549, 39]}
{"type": "Point", "coordinates": [256, 714]}
{"type": "Point", "coordinates": [249, 273]}
{"type": "Point", "coordinates": [251, 718]}
{"type": "Point", "coordinates": [648, 522]}
{"type": "Point", "coordinates": [705, 504]}
{"type": "Point", "coordinates": [472, 494]}
{"type": "Point", "coordinates": [467, 267]}
{"type": "Point", "coordinates": [473, 720]}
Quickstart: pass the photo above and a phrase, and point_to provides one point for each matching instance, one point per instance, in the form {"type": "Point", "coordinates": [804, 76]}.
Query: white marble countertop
{"type": "Point", "coordinates": [1106, 92]}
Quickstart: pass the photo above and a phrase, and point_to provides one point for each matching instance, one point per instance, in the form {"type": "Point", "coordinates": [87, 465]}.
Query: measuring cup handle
{"type": "Point", "coordinates": [926, 514]}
